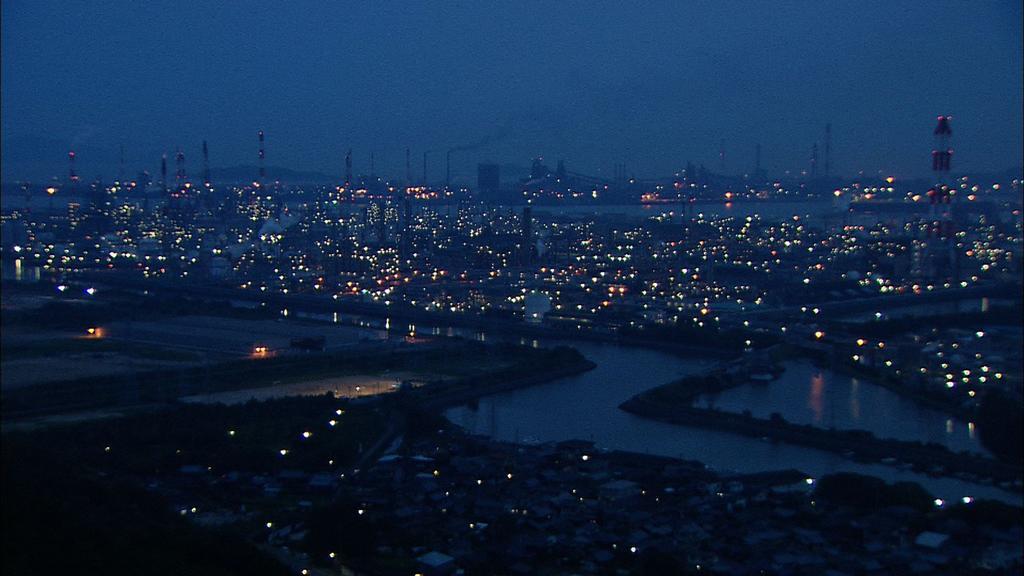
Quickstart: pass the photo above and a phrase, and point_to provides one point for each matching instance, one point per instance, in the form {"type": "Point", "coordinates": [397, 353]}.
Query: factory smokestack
{"type": "Point", "coordinates": [179, 174]}
{"type": "Point", "coordinates": [942, 197]}
{"type": "Point", "coordinates": [828, 150]}
{"type": "Point", "coordinates": [348, 168]}
{"type": "Point", "coordinates": [942, 154]}
{"type": "Point", "coordinates": [72, 174]}
{"type": "Point", "coordinates": [206, 165]}
{"type": "Point", "coordinates": [163, 172]}
{"type": "Point", "coordinates": [262, 157]}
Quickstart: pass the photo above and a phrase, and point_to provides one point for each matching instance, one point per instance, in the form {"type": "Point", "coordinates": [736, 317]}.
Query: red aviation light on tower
{"type": "Point", "coordinates": [72, 174]}
{"type": "Point", "coordinates": [262, 156]}
{"type": "Point", "coordinates": [206, 165]}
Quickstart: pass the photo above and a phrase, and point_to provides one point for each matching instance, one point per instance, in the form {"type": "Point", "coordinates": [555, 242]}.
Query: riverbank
{"type": "Point", "coordinates": [279, 476]}
{"type": "Point", "coordinates": [169, 384]}
{"type": "Point", "coordinates": [401, 313]}
{"type": "Point", "coordinates": [476, 503]}
{"type": "Point", "coordinates": [452, 368]}
{"type": "Point", "coordinates": [929, 396]}
{"type": "Point", "coordinates": [442, 396]}
{"type": "Point", "coordinates": [673, 403]}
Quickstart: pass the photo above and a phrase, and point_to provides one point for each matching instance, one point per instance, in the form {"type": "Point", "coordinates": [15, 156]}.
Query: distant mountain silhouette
{"type": "Point", "coordinates": [40, 158]}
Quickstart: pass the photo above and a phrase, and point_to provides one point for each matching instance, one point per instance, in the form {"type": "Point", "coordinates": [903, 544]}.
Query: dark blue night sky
{"type": "Point", "coordinates": [650, 84]}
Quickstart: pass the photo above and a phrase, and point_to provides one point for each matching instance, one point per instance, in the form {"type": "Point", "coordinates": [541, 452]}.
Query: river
{"type": "Point", "coordinates": [806, 394]}
{"type": "Point", "coordinates": [586, 407]}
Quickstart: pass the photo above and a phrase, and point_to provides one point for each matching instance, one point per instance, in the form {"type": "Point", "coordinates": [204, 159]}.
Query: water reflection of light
{"type": "Point", "coordinates": [815, 398]}
{"type": "Point", "coordinates": [970, 430]}
{"type": "Point", "coordinates": [855, 399]}
{"type": "Point", "coordinates": [949, 425]}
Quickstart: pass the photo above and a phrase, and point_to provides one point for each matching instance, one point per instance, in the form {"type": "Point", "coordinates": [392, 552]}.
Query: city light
{"type": "Point", "coordinates": [310, 272]}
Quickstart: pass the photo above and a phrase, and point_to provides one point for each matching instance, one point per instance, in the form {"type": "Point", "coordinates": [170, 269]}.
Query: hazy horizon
{"type": "Point", "coordinates": [651, 86]}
